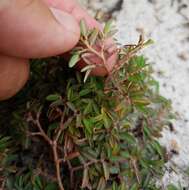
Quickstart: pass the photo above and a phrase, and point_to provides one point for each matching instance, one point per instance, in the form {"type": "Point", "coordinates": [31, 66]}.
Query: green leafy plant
{"type": "Point", "coordinates": [94, 43]}
{"type": "Point", "coordinates": [99, 134]}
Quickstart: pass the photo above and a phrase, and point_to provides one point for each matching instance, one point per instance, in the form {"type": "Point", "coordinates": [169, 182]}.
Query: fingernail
{"type": "Point", "coordinates": [66, 20]}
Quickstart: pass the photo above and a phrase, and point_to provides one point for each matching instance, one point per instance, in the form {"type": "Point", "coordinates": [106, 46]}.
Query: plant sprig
{"type": "Point", "coordinates": [93, 44]}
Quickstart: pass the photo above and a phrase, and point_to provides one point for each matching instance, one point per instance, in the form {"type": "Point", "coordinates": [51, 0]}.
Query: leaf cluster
{"type": "Point", "coordinates": [99, 134]}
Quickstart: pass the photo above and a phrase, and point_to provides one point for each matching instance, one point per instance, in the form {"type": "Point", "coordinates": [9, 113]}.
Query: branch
{"type": "Point", "coordinates": [57, 164]}
{"type": "Point", "coordinates": [53, 145]}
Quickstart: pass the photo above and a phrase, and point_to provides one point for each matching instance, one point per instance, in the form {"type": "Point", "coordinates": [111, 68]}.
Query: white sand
{"type": "Point", "coordinates": [162, 21]}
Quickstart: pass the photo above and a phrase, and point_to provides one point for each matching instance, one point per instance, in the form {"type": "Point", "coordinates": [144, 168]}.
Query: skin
{"type": "Point", "coordinates": [36, 29]}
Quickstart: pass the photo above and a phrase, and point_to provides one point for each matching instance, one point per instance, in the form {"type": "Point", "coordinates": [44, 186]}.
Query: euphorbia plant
{"type": "Point", "coordinates": [102, 133]}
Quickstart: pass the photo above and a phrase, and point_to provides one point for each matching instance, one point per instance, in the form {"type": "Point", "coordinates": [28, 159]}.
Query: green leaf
{"type": "Point", "coordinates": [74, 60]}
{"type": "Point", "coordinates": [123, 186]}
{"type": "Point", "coordinates": [53, 97]}
{"type": "Point", "coordinates": [71, 106]}
{"type": "Point", "coordinates": [140, 62]}
{"type": "Point", "coordinates": [125, 154]}
{"type": "Point", "coordinates": [93, 36]}
{"type": "Point", "coordinates": [83, 28]}
{"type": "Point", "coordinates": [147, 131]}
{"type": "Point", "coordinates": [4, 142]}
{"type": "Point", "coordinates": [70, 94]}
{"type": "Point", "coordinates": [146, 180]}
{"type": "Point", "coordinates": [128, 138]}
{"type": "Point", "coordinates": [101, 184]}
{"type": "Point", "coordinates": [107, 27]}
{"type": "Point", "coordinates": [114, 170]}
{"type": "Point", "coordinates": [92, 152]}
{"type": "Point", "coordinates": [51, 186]}
{"type": "Point", "coordinates": [111, 33]}
{"type": "Point", "coordinates": [88, 125]}
{"type": "Point", "coordinates": [85, 180]}
{"type": "Point", "coordinates": [84, 92]}
{"type": "Point", "coordinates": [149, 42]}
{"type": "Point", "coordinates": [78, 120]}
{"type": "Point", "coordinates": [158, 148]}
{"type": "Point", "coordinates": [96, 108]}
{"type": "Point", "coordinates": [134, 187]}
{"type": "Point", "coordinates": [38, 182]}
{"type": "Point", "coordinates": [88, 109]}
{"type": "Point", "coordinates": [106, 119]}
{"type": "Point", "coordinates": [141, 101]}
{"type": "Point", "coordinates": [10, 183]}
{"type": "Point", "coordinates": [106, 170]}
{"type": "Point", "coordinates": [116, 159]}
{"type": "Point", "coordinates": [155, 84]}
{"type": "Point", "coordinates": [172, 187]}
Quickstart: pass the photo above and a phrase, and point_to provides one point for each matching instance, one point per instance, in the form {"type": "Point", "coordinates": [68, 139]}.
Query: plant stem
{"type": "Point", "coordinates": [57, 164]}
{"type": "Point", "coordinates": [53, 145]}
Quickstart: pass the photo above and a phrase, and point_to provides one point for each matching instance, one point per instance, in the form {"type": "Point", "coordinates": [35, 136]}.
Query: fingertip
{"type": "Point", "coordinates": [70, 28]}
{"type": "Point", "coordinates": [75, 9]}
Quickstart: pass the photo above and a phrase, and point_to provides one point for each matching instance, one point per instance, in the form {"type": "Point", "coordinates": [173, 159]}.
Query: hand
{"type": "Point", "coordinates": [35, 29]}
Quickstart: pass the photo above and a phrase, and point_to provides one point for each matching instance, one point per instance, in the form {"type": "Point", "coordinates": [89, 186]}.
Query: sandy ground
{"type": "Point", "coordinates": [167, 23]}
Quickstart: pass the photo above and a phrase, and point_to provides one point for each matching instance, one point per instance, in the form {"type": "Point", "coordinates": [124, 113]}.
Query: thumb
{"type": "Point", "coordinates": [29, 29]}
